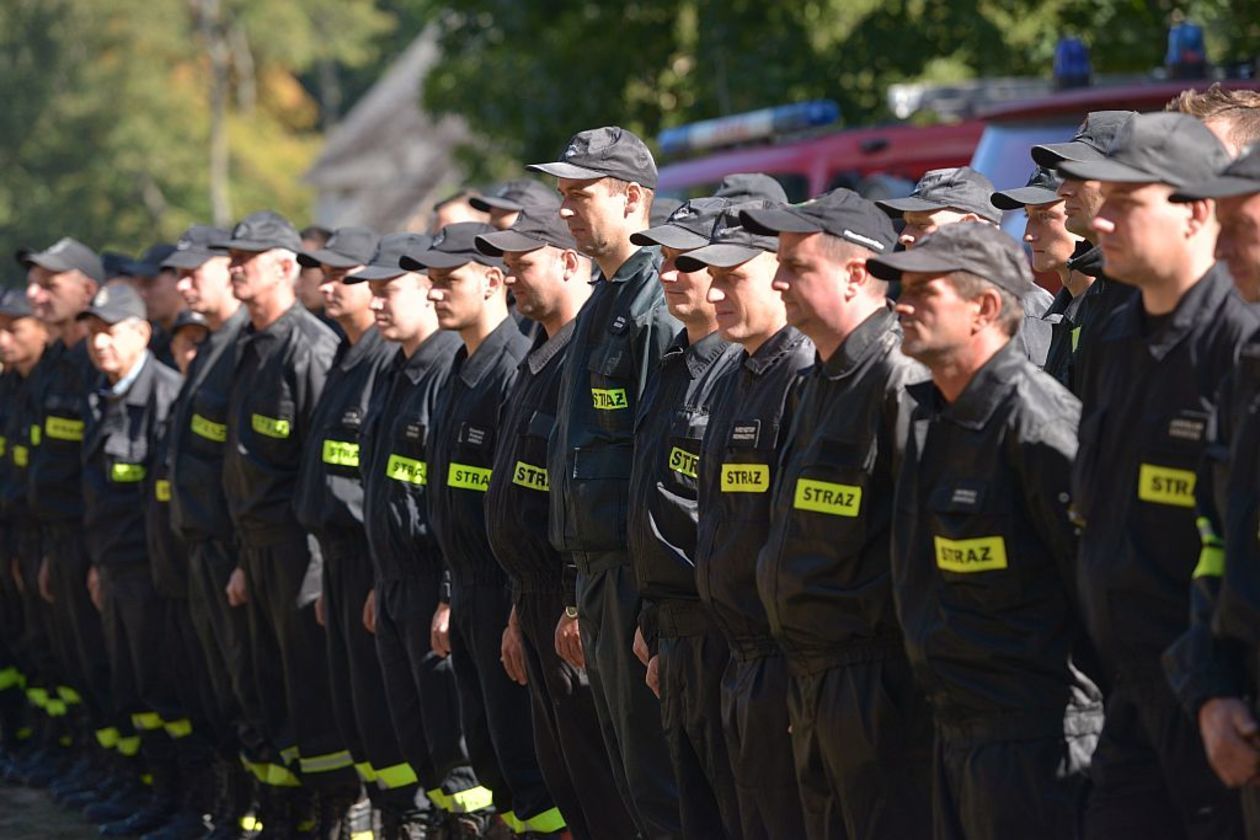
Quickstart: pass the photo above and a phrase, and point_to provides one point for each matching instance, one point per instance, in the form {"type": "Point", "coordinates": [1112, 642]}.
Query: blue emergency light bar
{"type": "Point", "coordinates": [743, 128]}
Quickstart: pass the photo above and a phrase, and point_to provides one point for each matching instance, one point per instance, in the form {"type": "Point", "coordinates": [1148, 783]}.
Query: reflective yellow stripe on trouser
{"type": "Point", "coordinates": [396, 776]}
{"type": "Point", "coordinates": [129, 747]}
{"type": "Point", "coordinates": [467, 801]}
{"type": "Point", "coordinates": [275, 775]}
{"type": "Point", "coordinates": [146, 721]}
{"type": "Point", "coordinates": [10, 678]}
{"type": "Point", "coordinates": [326, 763]}
{"type": "Point", "coordinates": [1212, 553]}
{"type": "Point", "coordinates": [177, 729]}
{"type": "Point", "coordinates": [547, 822]}
{"type": "Point", "coordinates": [107, 738]}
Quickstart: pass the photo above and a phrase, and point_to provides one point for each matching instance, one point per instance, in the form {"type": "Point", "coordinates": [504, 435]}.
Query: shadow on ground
{"type": "Point", "coordinates": [27, 814]}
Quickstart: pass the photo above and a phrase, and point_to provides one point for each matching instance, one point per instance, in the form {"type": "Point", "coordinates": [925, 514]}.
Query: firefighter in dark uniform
{"type": "Point", "coordinates": [329, 505]}
{"type": "Point", "coordinates": [1149, 390]}
{"type": "Point", "coordinates": [470, 298]}
{"type": "Point", "coordinates": [508, 201]}
{"type": "Point", "coordinates": [983, 568]}
{"type": "Point", "coordinates": [157, 285]}
{"type": "Point", "coordinates": [1225, 607]}
{"type": "Point", "coordinates": [550, 281]}
{"type": "Point", "coordinates": [747, 425]}
{"type": "Point", "coordinates": [860, 738]}
{"type": "Point", "coordinates": [419, 684]}
{"type": "Point", "coordinates": [686, 652]}
{"type": "Point", "coordinates": [187, 721]}
{"type": "Point", "coordinates": [61, 283]}
{"type": "Point", "coordinates": [1085, 302]}
{"type": "Point", "coordinates": [125, 404]}
{"type": "Point", "coordinates": [282, 360]}
{"type": "Point", "coordinates": [606, 180]}
{"type": "Point", "coordinates": [197, 436]}
{"type": "Point", "coordinates": [31, 671]}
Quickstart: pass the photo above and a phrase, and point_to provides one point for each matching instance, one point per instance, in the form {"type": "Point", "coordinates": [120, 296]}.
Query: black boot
{"type": "Point", "coordinates": [160, 807]}
{"type": "Point", "coordinates": [276, 812]}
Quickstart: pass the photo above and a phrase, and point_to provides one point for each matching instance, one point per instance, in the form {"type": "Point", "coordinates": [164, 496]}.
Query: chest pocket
{"type": "Point", "coordinates": [341, 445]}
{"type": "Point", "coordinates": [208, 421]}
{"type": "Point", "coordinates": [972, 546]}
{"type": "Point", "coordinates": [406, 455]}
{"type": "Point", "coordinates": [682, 455]}
{"type": "Point", "coordinates": [829, 492]}
{"type": "Point", "coordinates": [529, 468]}
{"type": "Point", "coordinates": [1166, 469]}
{"type": "Point", "coordinates": [613, 385]}
{"type": "Point", "coordinates": [63, 421]}
{"type": "Point", "coordinates": [747, 457]}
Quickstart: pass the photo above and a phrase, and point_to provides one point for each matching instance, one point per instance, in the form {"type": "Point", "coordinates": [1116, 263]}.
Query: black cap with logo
{"type": "Point", "coordinates": [974, 247]}
{"type": "Point", "coordinates": [455, 245]}
{"type": "Point", "coordinates": [841, 213]}
{"type": "Point", "coordinates": [1162, 148]}
{"type": "Point", "coordinates": [346, 248]}
{"type": "Point", "coordinates": [958, 188]}
{"type": "Point", "coordinates": [529, 233]}
{"type": "Point", "coordinates": [731, 243]}
{"type": "Point", "coordinates": [1042, 188]}
{"type": "Point", "coordinates": [262, 231]}
{"type": "Point", "coordinates": [524, 195]}
{"type": "Point", "coordinates": [195, 246]}
{"type": "Point", "coordinates": [113, 303]}
{"type": "Point", "coordinates": [384, 264]}
{"type": "Point", "coordinates": [66, 254]}
{"type": "Point", "coordinates": [1242, 177]}
{"type": "Point", "coordinates": [608, 152]}
{"type": "Point", "coordinates": [689, 226]}
{"type": "Point", "coordinates": [1091, 141]}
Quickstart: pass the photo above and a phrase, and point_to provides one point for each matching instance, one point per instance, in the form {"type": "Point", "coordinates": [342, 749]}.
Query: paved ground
{"type": "Point", "coordinates": [27, 814]}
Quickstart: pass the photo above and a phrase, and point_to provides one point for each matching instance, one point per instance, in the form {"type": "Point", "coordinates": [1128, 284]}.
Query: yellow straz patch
{"type": "Point", "coordinates": [407, 470]}
{"type": "Point", "coordinates": [745, 478]}
{"type": "Point", "coordinates": [61, 428]}
{"type": "Point", "coordinates": [272, 427]}
{"type": "Point", "coordinates": [827, 497]}
{"type": "Point", "coordinates": [339, 453]}
{"type": "Point", "coordinates": [464, 477]}
{"type": "Point", "coordinates": [684, 463]}
{"type": "Point", "coordinates": [609, 399]}
{"type": "Point", "coordinates": [21, 456]}
{"type": "Point", "coordinates": [527, 475]}
{"type": "Point", "coordinates": [1166, 486]}
{"type": "Point", "coordinates": [127, 473]}
{"type": "Point", "coordinates": [35, 434]}
{"type": "Point", "coordinates": [162, 490]}
{"type": "Point", "coordinates": [208, 429]}
{"type": "Point", "coordinates": [982, 554]}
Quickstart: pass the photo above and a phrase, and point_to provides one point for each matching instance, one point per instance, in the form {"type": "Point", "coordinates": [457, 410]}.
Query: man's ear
{"type": "Point", "coordinates": [494, 280]}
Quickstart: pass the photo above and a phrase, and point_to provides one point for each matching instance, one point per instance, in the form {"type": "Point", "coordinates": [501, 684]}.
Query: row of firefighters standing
{"type": "Point", "coordinates": [720, 544]}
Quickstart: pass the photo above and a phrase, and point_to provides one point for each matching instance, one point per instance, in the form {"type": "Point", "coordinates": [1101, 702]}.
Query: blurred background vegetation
{"type": "Point", "coordinates": [124, 121]}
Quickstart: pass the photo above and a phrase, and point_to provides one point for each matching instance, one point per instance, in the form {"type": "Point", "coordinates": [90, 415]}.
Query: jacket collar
{"type": "Point", "coordinates": [472, 368]}
{"type": "Point", "coordinates": [437, 348]}
{"type": "Point", "coordinates": [546, 348]}
{"type": "Point", "coordinates": [984, 393]}
{"type": "Point", "coordinates": [858, 346]}
{"type": "Point", "coordinates": [637, 262]}
{"type": "Point", "coordinates": [776, 347]}
{"type": "Point", "coordinates": [1195, 307]}
{"type": "Point", "coordinates": [349, 355]}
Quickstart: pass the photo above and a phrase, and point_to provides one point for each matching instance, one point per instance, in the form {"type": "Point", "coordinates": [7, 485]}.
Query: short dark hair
{"type": "Point", "coordinates": [1239, 107]}
{"type": "Point", "coordinates": [315, 233]}
{"type": "Point", "coordinates": [971, 286]}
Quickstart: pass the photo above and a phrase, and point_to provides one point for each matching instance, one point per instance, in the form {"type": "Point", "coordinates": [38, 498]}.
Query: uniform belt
{"type": "Point", "coordinates": [593, 562]}
{"type": "Point", "coordinates": [811, 660]}
{"type": "Point", "coordinates": [675, 619]}
{"type": "Point", "coordinates": [1020, 726]}
{"type": "Point", "coordinates": [752, 649]}
{"type": "Point", "coordinates": [342, 545]}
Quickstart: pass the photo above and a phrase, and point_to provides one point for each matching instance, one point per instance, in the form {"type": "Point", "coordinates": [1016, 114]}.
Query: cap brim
{"type": "Point", "coordinates": [104, 315]}
{"type": "Point", "coordinates": [189, 325]}
{"type": "Point", "coordinates": [1224, 186]}
{"type": "Point", "coordinates": [771, 221]}
{"type": "Point", "coordinates": [560, 169]}
{"type": "Point", "coordinates": [718, 255]}
{"type": "Point", "coordinates": [487, 203]}
{"type": "Point", "coordinates": [892, 266]}
{"type": "Point", "coordinates": [44, 261]}
{"type": "Point", "coordinates": [1024, 197]}
{"type": "Point", "coordinates": [1051, 155]}
{"type": "Point", "coordinates": [376, 272]}
{"type": "Point", "coordinates": [433, 259]}
{"type": "Point", "coordinates": [670, 236]}
{"type": "Point", "coordinates": [142, 269]}
{"type": "Point", "coordinates": [896, 207]}
{"type": "Point", "coordinates": [314, 259]}
{"type": "Point", "coordinates": [1107, 170]}
{"type": "Point", "coordinates": [191, 258]}
{"type": "Point", "coordinates": [254, 246]}
{"type": "Point", "coordinates": [506, 241]}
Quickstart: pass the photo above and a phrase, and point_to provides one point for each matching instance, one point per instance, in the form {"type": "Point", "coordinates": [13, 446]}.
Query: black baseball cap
{"type": "Point", "coordinates": [743, 187]}
{"type": "Point", "coordinates": [841, 213]}
{"type": "Point", "coordinates": [1162, 148]}
{"type": "Point", "coordinates": [384, 264]}
{"type": "Point", "coordinates": [731, 243]}
{"type": "Point", "coordinates": [958, 188]}
{"type": "Point", "coordinates": [1041, 188]}
{"type": "Point", "coordinates": [1242, 177]}
{"type": "Point", "coordinates": [455, 245]}
{"type": "Point", "coordinates": [525, 194]}
{"type": "Point", "coordinates": [116, 264]}
{"type": "Point", "coordinates": [195, 246]}
{"type": "Point", "coordinates": [13, 304]}
{"type": "Point", "coordinates": [66, 254]}
{"type": "Point", "coordinates": [113, 303]}
{"type": "Point", "coordinates": [262, 231]}
{"type": "Point", "coordinates": [1091, 141]}
{"type": "Point", "coordinates": [188, 318]}
{"type": "Point", "coordinates": [152, 262]}
{"type": "Point", "coordinates": [346, 248]}
{"type": "Point", "coordinates": [689, 226]}
{"type": "Point", "coordinates": [979, 249]}
{"type": "Point", "coordinates": [662, 207]}
{"type": "Point", "coordinates": [608, 152]}
{"type": "Point", "coordinates": [528, 233]}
